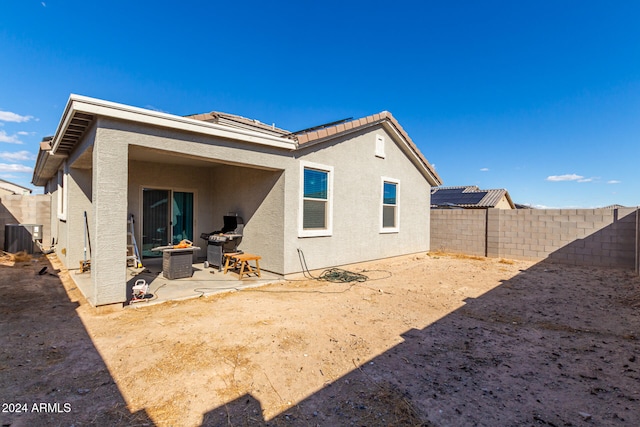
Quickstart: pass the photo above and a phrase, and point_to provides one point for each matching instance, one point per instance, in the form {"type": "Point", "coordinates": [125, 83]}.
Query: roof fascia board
{"type": "Point", "coordinates": [36, 178]}
{"type": "Point", "coordinates": [433, 180]}
{"type": "Point", "coordinates": [64, 124]}
{"type": "Point", "coordinates": [513, 205]}
{"type": "Point", "coordinates": [54, 160]}
{"type": "Point", "coordinates": [78, 103]}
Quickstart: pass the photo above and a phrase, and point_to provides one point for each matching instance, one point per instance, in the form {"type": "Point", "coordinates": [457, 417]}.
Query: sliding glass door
{"type": "Point", "coordinates": [182, 217]}
{"type": "Point", "coordinates": [167, 218]}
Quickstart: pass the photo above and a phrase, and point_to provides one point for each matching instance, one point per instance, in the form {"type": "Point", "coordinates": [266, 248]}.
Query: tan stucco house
{"type": "Point", "coordinates": [345, 192]}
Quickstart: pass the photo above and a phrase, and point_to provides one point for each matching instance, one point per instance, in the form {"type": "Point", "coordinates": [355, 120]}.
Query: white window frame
{"type": "Point", "coordinates": [63, 192]}
{"type": "Point", "coordinates": [384, 229]}
{"type": "Point", "coordinates": [328, 231]}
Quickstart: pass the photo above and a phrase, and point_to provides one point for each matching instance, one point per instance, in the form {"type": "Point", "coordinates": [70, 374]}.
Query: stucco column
{"type": "Point", "coordinates": [109, 222]}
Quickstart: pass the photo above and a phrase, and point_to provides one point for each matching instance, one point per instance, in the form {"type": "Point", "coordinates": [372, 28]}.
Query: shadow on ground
{"type": "Point", "coordinates": [72, 385]}
{"type": "Point", "coordinates": [553, 346]}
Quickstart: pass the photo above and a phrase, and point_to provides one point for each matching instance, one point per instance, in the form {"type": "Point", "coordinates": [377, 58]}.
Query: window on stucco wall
{"type": "Point", "coordinates": [389, 216]}
{"type": "Point", "coordinates": [316, 182]}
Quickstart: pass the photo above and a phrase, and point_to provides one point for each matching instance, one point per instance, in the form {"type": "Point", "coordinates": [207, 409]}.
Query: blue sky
{"type": "Point", "coordinates": [539, 97]}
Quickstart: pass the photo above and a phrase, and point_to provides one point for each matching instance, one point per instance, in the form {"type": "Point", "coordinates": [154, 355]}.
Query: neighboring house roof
{"type": "Point", "coordinates": [468, 197]}
{"type": "Point", "coordinates": [81, 113]}
{"type": "Point", "coordinates": [14, 188]}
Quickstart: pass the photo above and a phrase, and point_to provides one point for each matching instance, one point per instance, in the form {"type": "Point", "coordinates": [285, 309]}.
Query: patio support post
{"type": "Point", "coordinates": [109, 223]}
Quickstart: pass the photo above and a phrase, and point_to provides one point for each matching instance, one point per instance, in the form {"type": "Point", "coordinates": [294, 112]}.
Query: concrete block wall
{"type": "Point", "coordinates": [26, 209]}
{"type": "Point", "coordinates": [459, 231]}
{"type": "Point", "coordinates": [600, 237]}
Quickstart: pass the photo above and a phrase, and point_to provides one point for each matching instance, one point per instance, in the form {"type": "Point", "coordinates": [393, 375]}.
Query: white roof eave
{"type": "Point", "coordinates": [79, 103]}
{"type": "Point", "coordinates": [426, 172]}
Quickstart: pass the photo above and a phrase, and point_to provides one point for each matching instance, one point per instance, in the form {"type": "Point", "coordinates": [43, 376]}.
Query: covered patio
{"type": "Point", "coordinates": [204, 282]}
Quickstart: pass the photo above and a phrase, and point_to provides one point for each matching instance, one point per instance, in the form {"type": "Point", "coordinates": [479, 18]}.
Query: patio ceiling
{"type": "Point", "coordinates": [144, 154]}
{"type": "Point", "coordinates": [151, 155]}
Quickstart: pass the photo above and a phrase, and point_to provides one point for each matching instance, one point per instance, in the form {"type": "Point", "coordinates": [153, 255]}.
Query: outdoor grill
{"type": "Point", "coordinates": [223, 241]}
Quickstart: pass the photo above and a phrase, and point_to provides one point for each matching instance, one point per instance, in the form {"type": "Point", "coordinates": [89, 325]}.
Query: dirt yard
{"type": "Point", "coordinates": [430, 340]}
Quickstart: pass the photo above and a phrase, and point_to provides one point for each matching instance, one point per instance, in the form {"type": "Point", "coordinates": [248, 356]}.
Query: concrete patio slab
{"type": "Point", "coordinates": [204, 282]}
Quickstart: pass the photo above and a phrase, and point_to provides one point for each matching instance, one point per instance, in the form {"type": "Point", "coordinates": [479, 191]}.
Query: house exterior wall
{"type": "Point", "coordinates": [53, 222]}
{"type": "Point", "coordinates": [69, 231]}
{"type": "Point", "coordinates": [197, 146]}
{"type": "Point", "coordinates": [78, 197]}
{"type": "Point", "coordinates": [357, 203]}
{"type": "Point", "coordinates": [258, 196]}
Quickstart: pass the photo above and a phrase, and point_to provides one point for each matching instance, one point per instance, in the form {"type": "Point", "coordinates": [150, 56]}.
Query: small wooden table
{"type": "Point", "coordinates": [242, 259]}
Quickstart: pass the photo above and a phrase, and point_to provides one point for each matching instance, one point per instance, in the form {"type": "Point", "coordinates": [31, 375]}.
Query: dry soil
{"type": "Point", "coordinates": [428, 339]}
